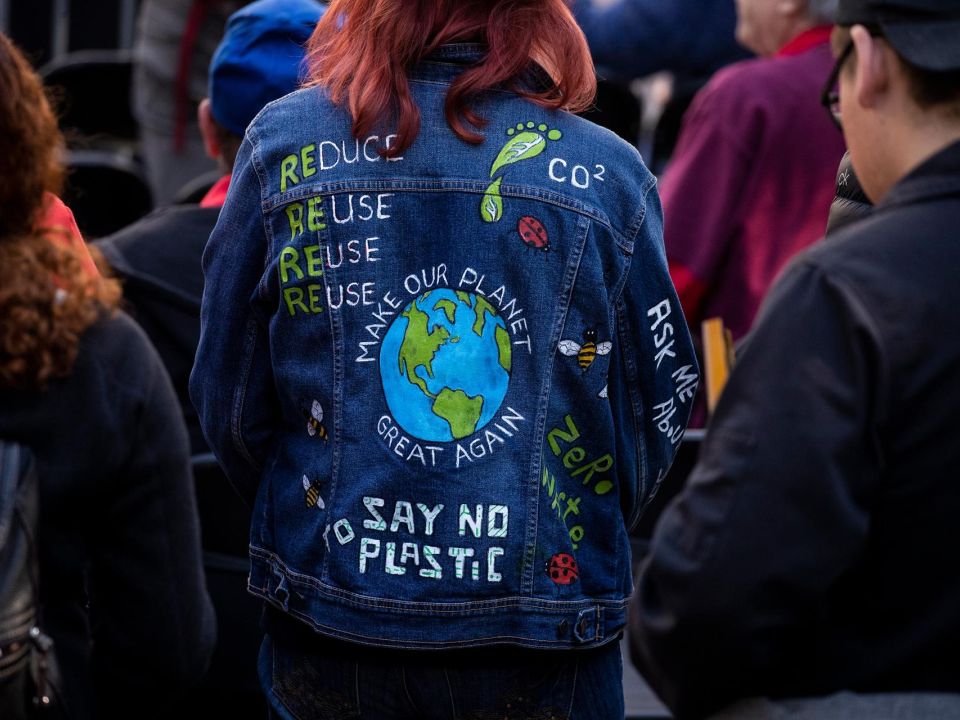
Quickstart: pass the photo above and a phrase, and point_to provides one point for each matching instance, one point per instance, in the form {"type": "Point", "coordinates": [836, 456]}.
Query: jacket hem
{"type": "Point", "coordinates": [522, 621]}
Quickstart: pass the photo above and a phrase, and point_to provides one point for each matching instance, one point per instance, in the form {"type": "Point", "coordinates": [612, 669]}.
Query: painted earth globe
{"type": "Point", "coordinates": [445, 365]}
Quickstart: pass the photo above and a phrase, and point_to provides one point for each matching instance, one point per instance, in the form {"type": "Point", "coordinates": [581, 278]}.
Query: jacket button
{"type": "Point", "coordinates": [582, 627]}
{"type": "Point", "coordinates": [562, 628]}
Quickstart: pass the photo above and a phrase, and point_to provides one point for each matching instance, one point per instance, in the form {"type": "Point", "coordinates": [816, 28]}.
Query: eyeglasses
{"type": "Point", "coordinates": [830, 96]}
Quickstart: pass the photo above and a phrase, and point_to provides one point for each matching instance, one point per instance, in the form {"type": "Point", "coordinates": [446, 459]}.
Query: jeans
{"type": "Point", "coordinates": [314, 678]}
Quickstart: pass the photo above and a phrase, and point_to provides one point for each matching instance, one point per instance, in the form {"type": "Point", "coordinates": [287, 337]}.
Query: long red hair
{"type": "Point", "coordinates": [362, 49]}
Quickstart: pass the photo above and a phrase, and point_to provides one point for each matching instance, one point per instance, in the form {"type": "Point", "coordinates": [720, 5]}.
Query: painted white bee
{"type": "Point", "coordinates": [313, 494]}
{"type": "Point", "coordinates": [588, 351]}
{"type": "Point", "coordinates": [315, 421]}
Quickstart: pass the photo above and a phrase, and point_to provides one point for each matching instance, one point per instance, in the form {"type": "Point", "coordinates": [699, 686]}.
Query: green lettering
{"type": "Point", "coordinates": [570, 436]}
{"type": "Point", "coordinates": [576, 535]}
{"type": "Point", "coordinates": [315, 214]}
{"type": "Point", "coordinates": [295, 216]}
{"type": "Point", "coordinates": [288, 171]}
{"type": "Point", "coordinates": [306, 161]}
{"type": "Point", "coordinates": [314, 260]}
{"type": "Point", "coordinates": [574, 457]}
{"type": "Point", "coordinates": [289, 257]}
{"type": "Point", "coordinates": [315, 294]}
{"type": "Point", "coordinates": [294, 299]}
{"type": "Point", "coordinates": [548, 482]}
{"type": "Point", "coordinates": [599, 465]}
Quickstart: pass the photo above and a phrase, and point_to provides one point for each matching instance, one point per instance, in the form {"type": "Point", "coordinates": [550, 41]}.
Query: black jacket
{"type": "Point", "coordinates": [122, 587]}
{"type": "Point", "coordinates": [814, 547]}
{"type": "Point", "coordinates": [158, 261]}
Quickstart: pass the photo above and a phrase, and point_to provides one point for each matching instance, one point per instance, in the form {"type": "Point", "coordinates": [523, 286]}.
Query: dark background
{"type": "Point", "coordinates": [89, 24]}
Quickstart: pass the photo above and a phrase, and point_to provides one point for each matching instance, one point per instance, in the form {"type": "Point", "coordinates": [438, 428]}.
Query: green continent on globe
{"type": "Point", "coordinates": [482, 309]}
{"type": "Point", "coordinates": [503, 345]}
{"type": "Point", "coordinates": [449, 307]}
{"type": "Point", "coordinates": [419, 346]}
{"type": "Point", "coordinates": [461, 411]}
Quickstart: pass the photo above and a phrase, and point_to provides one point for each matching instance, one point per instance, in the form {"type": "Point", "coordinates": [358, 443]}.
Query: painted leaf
{"type": "Point", "coordinates": [524, 146]}
{"type": "Point", "coordinates": [491, 207]}
{"type": "Point", "coordinates": [603, 487]}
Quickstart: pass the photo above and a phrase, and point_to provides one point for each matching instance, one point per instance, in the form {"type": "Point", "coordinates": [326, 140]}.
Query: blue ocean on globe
{"type": "Point", "coordinates": [445, 365]}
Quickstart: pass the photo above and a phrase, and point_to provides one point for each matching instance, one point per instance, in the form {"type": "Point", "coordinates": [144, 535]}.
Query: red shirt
{"type": "Point", "coordinates": [58, 224]}
{"type": "Point", "coordinates": [751, 181]}
{"type": "Point", "coordinates": [217, 195]}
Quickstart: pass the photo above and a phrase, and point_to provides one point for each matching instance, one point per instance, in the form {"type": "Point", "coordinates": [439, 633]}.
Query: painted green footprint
{"type": "Point", "coordinates": [526, 141]}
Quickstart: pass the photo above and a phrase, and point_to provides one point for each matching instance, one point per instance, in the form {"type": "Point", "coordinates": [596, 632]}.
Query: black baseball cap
{"type": "Point", "coordinates": [925, 33]}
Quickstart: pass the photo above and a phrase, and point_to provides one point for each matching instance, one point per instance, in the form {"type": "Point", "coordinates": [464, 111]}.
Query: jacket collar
{"type": "Point", "coordinates": [448, 61]}
{"type": "Point", "coordinates": [458, 53]}
{"type": "Point", "coordinates": [217, 195]}
{"type": "Point", "coordinates": [937, 176]}
{"type": "Point", "coordinates": [807, 40]}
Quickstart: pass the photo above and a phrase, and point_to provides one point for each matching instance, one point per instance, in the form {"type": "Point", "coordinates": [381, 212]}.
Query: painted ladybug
{"type": "Point", "coordinates": [562, 569]}
{"type": "Point", "coordinates": [533, 233]}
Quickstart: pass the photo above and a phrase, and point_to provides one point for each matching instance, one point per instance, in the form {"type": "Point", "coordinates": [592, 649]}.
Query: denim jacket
{"type": "Point", "coordinates": [449, 381]}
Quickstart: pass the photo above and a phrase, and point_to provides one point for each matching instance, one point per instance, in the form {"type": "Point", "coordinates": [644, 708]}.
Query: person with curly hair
{"type": "Point", "coordinates": [122, 591]}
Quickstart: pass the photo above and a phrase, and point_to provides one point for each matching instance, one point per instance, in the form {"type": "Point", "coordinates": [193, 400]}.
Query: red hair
{"type": "Point", "coordinates": [362, 49]}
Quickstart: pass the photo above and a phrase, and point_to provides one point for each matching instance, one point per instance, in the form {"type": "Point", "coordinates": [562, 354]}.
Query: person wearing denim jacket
{"type": "Point", "coordinates": [447, 375]}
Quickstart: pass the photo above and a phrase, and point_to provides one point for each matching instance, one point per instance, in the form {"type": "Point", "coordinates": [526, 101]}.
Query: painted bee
{"type": "Point", "coordinates": [313, 494]}
{"type": "Point", "coordinates": [587, 352]}
{"type": "Point", "coordinates": [315, 421]}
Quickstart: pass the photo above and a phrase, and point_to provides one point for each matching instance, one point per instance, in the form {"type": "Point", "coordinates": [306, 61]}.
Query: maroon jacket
{"type": "Point", "coordinates": [751, 181]}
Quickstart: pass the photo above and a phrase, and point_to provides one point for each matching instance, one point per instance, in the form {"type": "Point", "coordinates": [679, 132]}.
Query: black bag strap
{"type": "Point", "coordinates": [18, 519]}
{"type": "Point", "coordinates": [24, 648]}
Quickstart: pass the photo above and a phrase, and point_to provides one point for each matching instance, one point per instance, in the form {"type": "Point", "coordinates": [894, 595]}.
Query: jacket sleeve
{"type": "Point", "coordinates": [633, 38]}
{"type": "Point", "coordinates": [703, 190]}
{"type": "Point", "coordinates": [656, 356]}
{"type": "Point", "coordinates": [153, 624]}
{"type": "Point", "coordinates": [776, 509]}
{"type": "Point", "coordinates": [231, 385]}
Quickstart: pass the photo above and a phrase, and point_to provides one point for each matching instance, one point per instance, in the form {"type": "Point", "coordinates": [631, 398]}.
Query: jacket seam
{"type": "Point", "coordinates": [637, 222]}
{"type": "Point", "coordinates": [240, 395]}
{"type": "Point", "coordinates": [536, 465]}
{"type": "Point", "coordinates": [424, 608]}
{"type": "Point", "coordinates": [636, 415]}
{"type": "Point", "coordinates": [246, 362]}
{"type": "Point", "coordinates": [378, 641]}
{"type": "Point", "coordinates": [475, 187]}
{"type": "Point", "coordinates": [335, 320]}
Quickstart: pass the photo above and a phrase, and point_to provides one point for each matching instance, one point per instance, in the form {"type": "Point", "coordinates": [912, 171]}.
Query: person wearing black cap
{"type": "Point", "coordinates": [813, 550]}
{"type": "Point", "coordinates": [158, 257]}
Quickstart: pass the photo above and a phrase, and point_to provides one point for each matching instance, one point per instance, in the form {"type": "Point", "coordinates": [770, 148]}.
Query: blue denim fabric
{"type": "Point", "coordinates": [337, 683]}
{"type": "Point", "coordinates": [449, 382]}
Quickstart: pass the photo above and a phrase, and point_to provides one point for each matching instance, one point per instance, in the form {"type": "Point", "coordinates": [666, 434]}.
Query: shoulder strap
{"type": "Point", "coordinates": [18, 521]}
{"type": "Point", "coordinates": [26, 659]}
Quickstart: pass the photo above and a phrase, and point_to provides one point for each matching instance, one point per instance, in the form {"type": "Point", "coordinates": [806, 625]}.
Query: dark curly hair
{"type": "Point", "coordinates": [47, 299]}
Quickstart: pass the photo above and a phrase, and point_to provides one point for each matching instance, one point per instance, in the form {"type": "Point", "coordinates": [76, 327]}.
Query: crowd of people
{"type": "Point", "coordinates": [440, 332]}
